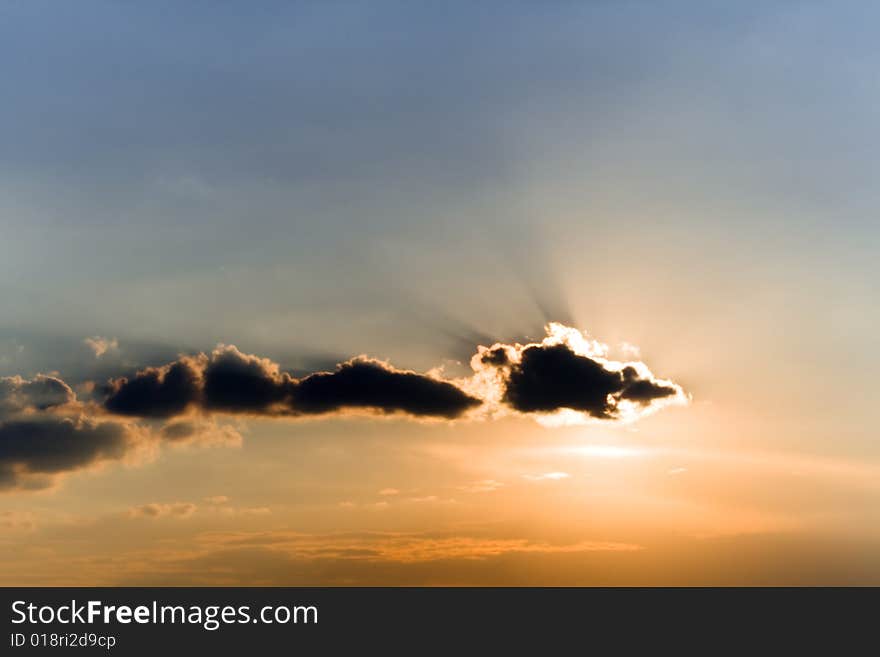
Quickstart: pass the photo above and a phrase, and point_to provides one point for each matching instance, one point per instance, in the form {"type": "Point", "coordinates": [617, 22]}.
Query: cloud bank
{"type": "Point", "coordinates": [45, 431]}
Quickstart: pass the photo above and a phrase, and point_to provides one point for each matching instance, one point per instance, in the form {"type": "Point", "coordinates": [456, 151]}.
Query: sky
{"type": "Point", "coordinates": [475, 294]}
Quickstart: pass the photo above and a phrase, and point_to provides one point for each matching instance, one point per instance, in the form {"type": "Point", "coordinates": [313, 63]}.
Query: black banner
{"type": "Point", "coordinates": [147, 621]}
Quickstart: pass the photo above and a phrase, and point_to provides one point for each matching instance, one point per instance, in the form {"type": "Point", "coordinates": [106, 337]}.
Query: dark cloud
{"type": "Point", "coordinates": [157, 391]}
{"type": "Point", "coordinates": [497, 356]}
{"type": "Point", "coordinates": [643, 391]}
{"type": "Point", "coordinates": [45, 432]}
{"type": "Point", "coordinates": [40, 393]}
{"type": "Point", "coordinates": [33, 450]}
{"type": "Point", "coordinates": [552, 377]}
{"type": "Point", "coordinates": [179, 431]}
{"type": "Point", "coordinates": [240, 383]}
{"type": "Point", "coordinates": [363, 383]}
{"type": "Point", "coordinates": [568, 371]}
{"type": "Point", "coordinates": [565, 371]}
{"type": "Point", "coordinates": [38, 442]}
{"type": "Point", "coordinates": [40, 439]}
{"type": "Point", "coordinates": [229, 381]}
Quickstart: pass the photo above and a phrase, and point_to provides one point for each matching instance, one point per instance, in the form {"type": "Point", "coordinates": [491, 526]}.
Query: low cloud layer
{"type": "Point", "coordinates": [364, 383]}
{"type": "Point", "coordinates": [157, 391]}
{"type": "Point", "coordinates": [45, 431]}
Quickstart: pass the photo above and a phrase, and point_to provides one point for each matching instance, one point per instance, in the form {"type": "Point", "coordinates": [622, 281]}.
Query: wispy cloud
{"type": "Point", "coordinates": [101, 346]}
{"type": "Point", "coordinates": [403, 547]}
{"type": "Point", "coordinates": [157, 510]}
{"type": "Point", "coordinates": [547, 476]}
{"type": "Point", "coordinates": [17, 520]}
{"type": "Point", "coordinates": [482, 486]}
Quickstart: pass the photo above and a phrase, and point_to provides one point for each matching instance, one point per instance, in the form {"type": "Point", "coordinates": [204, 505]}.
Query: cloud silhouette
{"type": "Point", "coordinates": [644, 391]}
{"type": "Point", "coordinates": [157, 391]}
{"type": "Point", "coordinates": [548, 378]}
{"type": "Point", "coordinates": [45, 431]}
{"type": "Point", "coordinates": [33, 451]}
{"type": "Point", "coordinates": [234, 382]}
{"type": "Point", "coordinates": [365, 383]}
{"type": "Point", "coordinates": [229, 381]}
{"type": "Point", "coordinates": [569, 372]}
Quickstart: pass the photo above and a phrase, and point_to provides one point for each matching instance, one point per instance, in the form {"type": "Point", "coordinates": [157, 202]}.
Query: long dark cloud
{"type": "Point", "coordinates": [364, 383]}
{"type": "Point", "coordinates": [234, 382]}
{"type": "Point", "coordinates": [229, 381]}
{"type": "Point", "coordinates": [45, 431]}
{"type": "Point", "coordinates": [565, 371]}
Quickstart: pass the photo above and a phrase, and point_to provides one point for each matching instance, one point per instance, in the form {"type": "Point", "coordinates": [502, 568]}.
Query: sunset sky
{"type": "Point", "coordinates": [393, 293]}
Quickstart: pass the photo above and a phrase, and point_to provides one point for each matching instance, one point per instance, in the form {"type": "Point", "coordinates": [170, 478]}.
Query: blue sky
{"type": "Point", "coordinates": [312, 181]}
